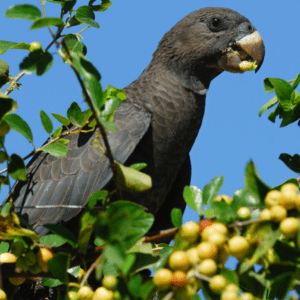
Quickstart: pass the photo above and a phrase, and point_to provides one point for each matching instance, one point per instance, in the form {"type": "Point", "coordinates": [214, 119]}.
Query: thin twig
{"type": "Point", "coordinates": [90, 270]}
{"type": "Point", "coordinates": [13, 83]}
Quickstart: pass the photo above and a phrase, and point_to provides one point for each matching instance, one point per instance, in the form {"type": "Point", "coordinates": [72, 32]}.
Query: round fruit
{"type": "Point", "coordinates": [85, 293]}
{"type": "Point", "coordinates": [162, 279]}
{"type": "Point", "coordinates": [193, 255]}
{"type": "Point", "coordinates": [265, 215]}
{"type": "Point", "coordinates": [207, 250]}
{"type": "Point", "coordinates": [43, 256]}
{"type": "Point", "coordinates": [36, 268]}
{"type": "Point", "coordinates": [217, 284]}
{"type": "Point", "coordinates": [30, 258]}
{"type": "Point", "coordinates": [4, 128]}
{"type": "Point", "coordinates": [110, 282]}
{"type": "Point", "coordinates": [208, 267]}
{"type": "Point", "coordinates": [21, 263]}
{"type": "Point", "coordinates": [2, 295]}
{"type": "Point", "coordinates": [244, 213]}
{"type": "Point", "coordinates": [7, 258]}
{"type": "Point", "coordinates": [179, 260]}
{"type": "Point", "coordinates": [17, 248]}
{"type": "Point", "coordinates": [217, 239]}
{"type": "Point", "coordinates": [231, 287]}
{"type": "Point", "coordinates": [273, 198]}
{"type": "Point", "coordinates": [246, 296]}
{"type": "Point", "coordinates": [184, 294]}
{"type": "Point", "coordinates": [289, 195]}
{"type": "Point", "coordinates": [204, 223]}
{"type": "Point", "coordinates": [117, 295]}
{"type": "Point", "coordinates": [223, 255]}
{"type": "Point", "coordinates": [72, 295]}
{"type": "Point", "coordinates": [190, 231]}
{"type": "Point", "coordinates": [102, 293]}
{"type": "Point", "coordinates": [278, 213]}
{"type": "Point", "coordinates": [226, 198]}
{"type": "Point", "coordinates": [238, 246]}
{"type": "Point", "coordinates": [229, 295]}
{"type": "Point", "coordinates": [35, 46]}
{"type": "Point", "coordinates": [289, 227]}
{"type": "Point", "coordinates": [16, 280]}
{"type": "Point", "coordinates": [215, 227]}
{"type": "Point", "coordinates": [179, 280]}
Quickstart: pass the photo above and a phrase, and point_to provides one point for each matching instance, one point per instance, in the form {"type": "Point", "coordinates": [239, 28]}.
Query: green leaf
{"type": "Point", "coordinates": [114, 253]}
{"type": "Point", "coordinates": [193, 197]}
{"type": "Point", "coordinates": [50, 282]}
{"type": "Point", "coordinates": [63, 141]}
{"type": "Point", "coordinates": [46, 121]}
{"type": "Point", "coordinates": [74, 271]}
{"type": "Point", "coordinates": [128, 222]}
{"type": "Point", "coordinates": [53, 240]}
{"type": "Point", "coordinates": [292, 162]}
{"type": "Point", "coordinates": [132, 180]}
{"type": "Point", "coordinates": [268, 105]}
{"type": "Point", "coordinates": [223, 212]}
{"type": "Point", "coordinates": [16, 168]}
{"type": "Point", "coordinates": [38, 62]}
{"type": "Point", "coordinates": [45, 22]}
{"type": "Point", "coordinates": [23, 11]}
{"type": "Point", "coordinates": [138, 166]}
{"type": "Point", "coordinates": [61, 119]}
{"type": "Point", "coordinates": [134, 285]}
{"type": "Point", "coordinates": [64, 233]}
{"type": "Point", "coordinates": [165, 253]}
{"type": "Point", "coordinates": [74, 45]}
{"type": "Point", "coordinates": [57, 132]}
{"type": "Point", "coordinates": [176, 217]}
{"type": "Point", "coordinates": [58, 266]}
{"type": "Point", "coordinates": [144, 261]}
{"type": "Point", "coordinates": [6, 45]}
{"type": "Point", "coordinates": [86, 15]}
{"type": "Point", "coordinates": [255, 185]}
{"type": "Point", "coordinates": [4, 246]}
{"type": "Point", "coordinates": [6, 105]}
{"type": "Point", "coordinates": [57, 150]}
{"type": "Point", "coordinates": [74, 114]}
{"type": "Point", "coordinates": [102, 7]}
{"type": "Point", "coordinates": [16, 123]}
{"type": "Point", "coordinates": [296, 82]}
{"type": "Point", "coordinates": [211, 190]}
{"type": "Point", "coordinates": [128, 263]}
{"type": "Point", "coordinates": [110, 107]}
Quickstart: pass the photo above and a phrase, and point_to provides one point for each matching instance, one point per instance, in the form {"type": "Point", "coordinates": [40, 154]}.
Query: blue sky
{"type": "Point", "coordinates": [231, 133]}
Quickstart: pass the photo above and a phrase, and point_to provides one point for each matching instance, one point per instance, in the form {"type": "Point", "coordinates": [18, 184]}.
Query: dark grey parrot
{"type": "Point", "coordinates": [157, 123]}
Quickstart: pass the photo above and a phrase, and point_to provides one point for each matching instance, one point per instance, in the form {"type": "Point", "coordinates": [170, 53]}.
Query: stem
{"type": "Point", "coordinates": [83, 30]}
{"type": "Point", "coordinates": [13, 83]}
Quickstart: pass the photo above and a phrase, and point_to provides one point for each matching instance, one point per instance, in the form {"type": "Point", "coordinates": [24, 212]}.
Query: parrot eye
{"type": "Point", "coordinates": [215, 22]}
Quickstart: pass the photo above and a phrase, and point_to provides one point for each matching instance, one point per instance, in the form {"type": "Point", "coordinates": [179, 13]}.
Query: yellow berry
{"type": "Point", "coordinates": [35, 46]}
{"type": "Point", "coordinates": [217, 284]}
{"type": "Point", "coordinates": [43, 256]}
{"type": "Point", "coordinates": [7, 258]}
{"type": "Point", "coordinates": [190, 231]}
{"type": "Point", "coordinates": [217, 238]}
{"type": "Point", "coordinates": [238, 246]}
{"type": "Point", "coordinates": [278, 213]}
{"type": "Point", "coordinates": [273, 198]}
{"type": "Point", "coordinates": [102, 293]}
{"type": "Point", "coordinates": [179, 260]}
{"type": "Point", "coordinates": [246, 296]}
{"type": "Point", "coordinates": [244, 213]}
{"type": "Point", "coordinates": [162, 279]}
{"type": "Point", "coordinates": [85, 293]}
{"type": "Point", "coordinates": [215, 227]}
{"type": "Point", "coordinates": [207, 250]}
{"type": "Point", "coordinates": [289, 227]}
{"type": "Point", "coordinates": [208, 267]}
{"type": "Point", "coordinates": [229, 295]}
{"type": "Point", "coordinates": [110, 282]}
{"type": "Point", "coordinates": [289, 195]}
{"type": "Point", "coordinates": [231, 287]}
{"type": "Point", "coordinates": [193, 255]}
{"type": "Point", "coordinates": [2, 295]}
{"type": "Point", "coordinates": [179, 280]}
{"type": "Point", "coordinates": [265, 215]}
{"type": "Point", "coordinates": [226, 198]}
{"type": "Point", "coordinates": [72, 295]}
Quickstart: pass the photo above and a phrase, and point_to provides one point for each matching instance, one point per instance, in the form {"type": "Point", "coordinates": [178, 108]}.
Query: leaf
{"type": "Point", "coordinates": [23, 11]}
{"type": "Point", "coordinates": [4, 246]}
{"type": "Point", "coordinates": [211, 190]}
{"type": "Point", "coordinates": [16, 123]}
{"type": "Point", "coordinates": [176, 217]}
{"type": "Point", "coordinates": [268, 105]}
{"type": "Point", "coordinates": [38, 62]}
{"type": "Point", "coordinates": [64, 233]}
{"type": "Point", "coordinates": [74, 271]}
{"type": "Point", "coordinates": [110, 107]}
{"type": "Point", "coordinates": [134, 285]}
{"type": "Point", "coordinates": [16, 168]}
{"type": "Point", "coordinates": [57, 132]}
{"type": "Point", "coordinates": [74, 45]}
{"type": "Point", "coordinates": [102, 7]}
{"type": "Point", "coordinates": [132, 180]}
{"type": "Point", "coordinates": [63, 141]}
{"type": "Point", "coordinates": [50, 282]}
{"type": "Point", "coordinates": [128, 222]}
{"type": "Point", "coordinates": [138, 166]}
{"type": "Point", "coordinates": [58, 266]}
{"type": "Point", "coordinates": [86, 15]}
{"type": "Point", "coordinates": [254, 184]}
{"type": "Point", "coordinates": [57, 150]}
{"type": "Point", "coordinates": [47, 123]}
{"type": "Point", "coordinates": [223, 212]}
{"type": "Point", "coordinates": [165, 253]}
{"type": "Point", "coordinates": [143, 261]}
{"type": "Point", "coordinates": [128, 263]}
{"type": "Point", "coordinates": [189, 197]}
{"type": "Point", "coordinates": [53, 240]}
{"type": "Point", "coordinates": [74, 114]}
{"type": "Point", "coordinates": [115, 254]}
{"type": "Point", "coordinates": [46, 22]}
{"type": "Point", "coordinates": [296, 82]}
{"type": "Point", "coordinates": [292, 162]}
{"type": "Point", "coordinates": [63, 120]}
{"type": "Point", "coordinates": [6, 45]}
